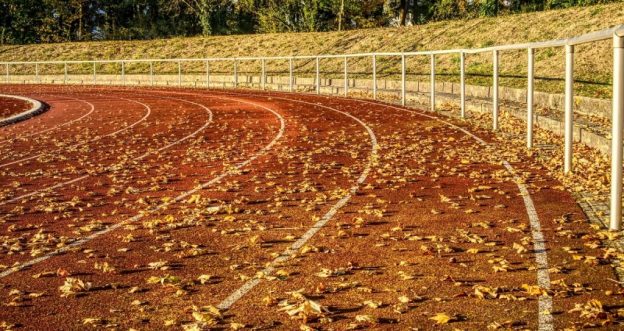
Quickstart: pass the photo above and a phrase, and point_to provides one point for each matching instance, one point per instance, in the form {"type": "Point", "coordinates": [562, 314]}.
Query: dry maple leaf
{"type": "Point", "coordinates": [519, 248]}
{"type": "Point", "coordinates": [326, 273]}
{"type": "Point", "coordinates": [74, 286]}
{"type": "Point", "coordinates": [158, 265]}
{"type": "Point", "coordinates": [93, 321]}
{"type": "Point", "coordinates": [484, 292]}
{"type": "Point", "coordinates": [441, 318]}
{"type": "Point", "coordinates": [373, 304]}
{"type": "Point", "coordinates": [369, 319]}
{"type": "Point", "coordinates": [304, 308]}
{"type": "Point", "coordinates": [164, 280]}
{"type": "Point", "coordinates": [194, 199]}
{"type": "Point", "coordinates": [592, 309]}
{"type": "Point", "coordinates": [104, 267]}
{"type": "Point", "coordinates": [207, 315]}
{"type": "Point", "coordinates": [534, 290]}
{"type": "Point", "coordinates": [203, 279]}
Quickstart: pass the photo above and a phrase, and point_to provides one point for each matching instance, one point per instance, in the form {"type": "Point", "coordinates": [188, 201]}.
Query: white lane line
{"type": "Point", "coordinates": [163, 205]}
{"type": "Point", "coordinates": [147, 114]}
{"type": "Point", "coordinates": [287, 254]}
{"type": "Point", "coordinates": [545, 318]}
{"type": "Point", "coordinates": [3, 142]}
{"type": "Point", "coordinates": [110, 168]}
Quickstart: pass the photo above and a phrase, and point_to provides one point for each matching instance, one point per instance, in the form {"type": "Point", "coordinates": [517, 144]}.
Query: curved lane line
{"type": "Point", "coordinates": [110, 168]}
{"type": "Point", "coordinates": [3, 142]}
{"type": "Point", "coordinates": [287, 254]}
{"type": "Point", "coordinates": [147, 114]}
{"type": "Point", "coordinates": [545, 318]}
{"type": "Point", "coordinates": [163, 205]}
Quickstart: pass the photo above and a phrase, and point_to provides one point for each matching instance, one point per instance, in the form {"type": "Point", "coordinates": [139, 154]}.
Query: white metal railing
{"type": "Point", "coordinates": [616, 33]}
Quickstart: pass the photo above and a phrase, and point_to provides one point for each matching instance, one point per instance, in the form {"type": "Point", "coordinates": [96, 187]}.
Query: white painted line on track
{"type": "Point", "coordinates": [286, 255]}
{"type": "Point", "coordinates": [180, 197]}
{"type": "Point", "coordinates": [545, 318]}
{"type": "Point", "coordinates": [110, 168]}
{"type": "Point", "coordinates": [3, 142]}
{"type": "Point", "coordinates": [147, 114]}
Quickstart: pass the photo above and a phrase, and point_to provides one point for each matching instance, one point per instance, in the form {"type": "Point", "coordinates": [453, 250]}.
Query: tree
{"type": "Point", "coordinates": [290, 16]}
{"type": "Point", "coordinates": [205, 11]}
{"type": "Point", "coordinates": [19, 21]}
{"type": "Point", "coordinates": [34, 21]}
{"type": "Point", "coordinates": [400, 11]}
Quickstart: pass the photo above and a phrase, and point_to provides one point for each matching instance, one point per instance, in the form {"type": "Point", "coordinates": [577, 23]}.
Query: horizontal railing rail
{"type": "Point", "coordinates": [615, 33]}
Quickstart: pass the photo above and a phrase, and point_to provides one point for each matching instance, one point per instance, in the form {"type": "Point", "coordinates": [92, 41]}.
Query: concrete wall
{"type": "Point", "coordinates": [583, 105]}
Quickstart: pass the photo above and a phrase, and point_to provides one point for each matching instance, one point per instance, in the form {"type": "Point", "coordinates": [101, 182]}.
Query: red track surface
{"type": "Point", "coordinates": [433, 219]}
{"type": "Point", "coordinates": [10, 107]}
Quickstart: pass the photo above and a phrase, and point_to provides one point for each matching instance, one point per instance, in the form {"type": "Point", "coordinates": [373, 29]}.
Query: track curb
{"type": "Point", "coordinates": [37, 108]}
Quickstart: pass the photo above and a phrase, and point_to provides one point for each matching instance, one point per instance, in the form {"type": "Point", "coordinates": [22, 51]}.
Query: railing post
{"type": "Point", "coordinates": [179, 74]}
{"type": "Point", "coordinates": [7, 73]}
{"type": "Point", "coordinates": [346, 77]}
{"type": "Point", "coordinates": [65, 73]}
{"type": "Point", "coordinates": [617, 126]}
{"type": "Point", "coordinates": [235, 73]}
{"type": "Point", "coordinates": [263, 78]}
{"type": "Point", "coordinates": [530, 94]}
{"type": "Point", "coordinates": [123, 73]}
{"type": "Point", "coordinates": [94, 73]}
{"type": "Point", "coordinates": [37, 73]}
{"type": "Point", "coordinates": [151, 73]}
{"type": "Point", "coordinates": [402, 79]}
{"type": "Point", "coordinates": [374, 76]}
{"type": "Point", "coordinates": [432, 82]}
{"type": "Point", "coordinates": [318, 75]}
{"type": "Point", "coordinates": [290, 76]}
{"type": "Point", "coordinates": [207, 74]}
{"type": "Point", "coordinates": [569, 111]}
{"type": "Point", "coordinates": [495, 59]}
{"type": "Point", "coordinates": [462, 84]}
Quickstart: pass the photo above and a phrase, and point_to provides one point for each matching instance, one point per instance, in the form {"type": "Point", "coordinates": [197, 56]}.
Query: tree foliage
{"type": "Point", "coordinates": [34, 21]}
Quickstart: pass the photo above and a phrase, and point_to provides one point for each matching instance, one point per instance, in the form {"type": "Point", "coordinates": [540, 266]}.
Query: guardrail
{"type": "Point", "coordinates": [616, 33]}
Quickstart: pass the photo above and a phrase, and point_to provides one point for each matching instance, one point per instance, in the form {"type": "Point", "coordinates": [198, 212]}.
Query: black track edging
{"type": "Point", "coordinates": [37, 108]}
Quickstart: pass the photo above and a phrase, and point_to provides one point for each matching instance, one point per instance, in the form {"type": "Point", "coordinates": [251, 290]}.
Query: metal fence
{"type": "Point", "coordinates": [615, 33]}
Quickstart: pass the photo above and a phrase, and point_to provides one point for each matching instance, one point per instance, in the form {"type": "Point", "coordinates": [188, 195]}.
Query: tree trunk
{"type": "Point", "coordinates": [205, 11]}
{"type": "Point", "coordinates": [403, 12]}
{"type": "Point", "coordinates": [205, 23]}
{"type": "Point", "coordinates": [80, 22]}
{"type": "Point", "coordinates": [340, 15]}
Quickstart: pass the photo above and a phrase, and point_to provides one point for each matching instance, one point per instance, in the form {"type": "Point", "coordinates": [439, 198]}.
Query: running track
{"type": "Point", "coordinates": [384, 215]}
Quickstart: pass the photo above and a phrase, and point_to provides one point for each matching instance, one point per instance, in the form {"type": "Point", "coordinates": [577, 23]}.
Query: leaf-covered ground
{"type": "Point", "coordinates": [154, 209]}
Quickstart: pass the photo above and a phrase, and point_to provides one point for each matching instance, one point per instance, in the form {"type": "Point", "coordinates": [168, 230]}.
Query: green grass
{"type": "Point", "coordinates": [592, 72]}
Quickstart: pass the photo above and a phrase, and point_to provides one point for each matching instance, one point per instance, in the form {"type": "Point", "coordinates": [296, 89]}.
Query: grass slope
{"type": "Point", "coordinates": [593, 62]}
